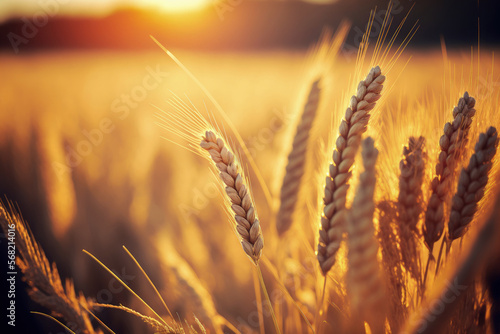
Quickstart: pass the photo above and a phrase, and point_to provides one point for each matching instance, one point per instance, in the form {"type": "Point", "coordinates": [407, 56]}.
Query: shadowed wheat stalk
{"type": "Point", "coordinates": [470, 265]}
{"type": "Point", "coordinates": [247, 223]}
{"type": "Point", "coordinates": [350, 131]}
{"type": "Point", "coordinates": [471, 184]}
{"type": "Point", "coordinates": [492, 281]}
{"type": "Point", "coordinates": [158, 326]}
{"type": "Point", "coordinates": [452, 144]}
{"type": "Point", "coordinates": [391, 258]}
{"type": "Point", "coordinates": [44, 283]}
{"type": "Point", "coordinates": [410, 203]}
{"type": "Point", "coordinates": [364, 281]}
{"type": "Point", "coordinates": [296, 162]}
{"type": "Point", "coordinates": [194, 293]}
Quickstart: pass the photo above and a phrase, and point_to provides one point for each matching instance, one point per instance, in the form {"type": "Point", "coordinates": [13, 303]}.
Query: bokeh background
{"type": "Point", "coordinates": [81, 155]}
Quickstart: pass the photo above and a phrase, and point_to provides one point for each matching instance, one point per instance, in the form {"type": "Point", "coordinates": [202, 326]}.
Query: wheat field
{"type": "Point", "coordinates": [363, 221]}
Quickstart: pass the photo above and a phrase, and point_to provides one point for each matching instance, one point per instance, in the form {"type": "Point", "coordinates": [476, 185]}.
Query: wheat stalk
{"type": "Point", "coordinates": [238, 194]}
{"type": "Point", "coordinates": [471, 184]}
{"type": "Point", "coordinates": [367, 292]}
{"type": "Point", "coordinates": [410, 205]}
{"type": "Point", "coordinates": [44, 283]}
{"type": "Point", "coordinates": [391, 259]}
{"type": "Point", "coordinates": [492, 281]}
{"type": "Point", "coordinates": [472, 264]}
{"type": "Point", "coordinates": [452, 144]}
{"type": "Point", "coordinates": [350, 131]}
{"type": "Point", "coordinates": [196, 294]}
{"type": "Point", "coordinates": [240, 199]}
{"type": "Point", "coordinates": [158, 326]}
{"type": "Point", "coordinates": [296, 162]}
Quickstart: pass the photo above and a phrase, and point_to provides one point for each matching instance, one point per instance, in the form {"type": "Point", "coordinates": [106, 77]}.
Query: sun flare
{"type": "Point", "coordinates": [176, 5]}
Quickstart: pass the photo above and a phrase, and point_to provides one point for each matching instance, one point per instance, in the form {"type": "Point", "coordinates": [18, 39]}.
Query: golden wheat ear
{"type": "Point", "coordinates": [453, 145]}
{"type": "Point", "coordinates": [238, 195]}
{"type": "Point", "coordinates": [239, 199]}
{"type": "Point", "coordinates": [472, 184]}
{"type": "Point", "coordinates": [337, 181]}
{"type": "Point", "coordinates": [45, 286]}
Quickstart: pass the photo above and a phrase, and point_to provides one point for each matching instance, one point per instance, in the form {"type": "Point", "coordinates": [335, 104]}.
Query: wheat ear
{"type": "Point", "coordinates": [452, 144]}
{"type": "Point", "coordinates": [471, 184]}
{"type": "Point", "coordinates": [364, 272]}
{"type": "Point", "coordinates": [410, 202]}
{"type": "Point", "coordinates": [296, 162]}
{"type": "Point", "coordinates": [350, 131]}
{"type": "Point", "coordinates": [238, 194]}
{"type": "Point", "coordinates": [44, 283]}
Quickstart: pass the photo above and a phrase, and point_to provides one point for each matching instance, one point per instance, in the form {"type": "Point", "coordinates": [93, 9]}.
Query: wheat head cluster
{"type": "Point", "coordinates": [414, 255]}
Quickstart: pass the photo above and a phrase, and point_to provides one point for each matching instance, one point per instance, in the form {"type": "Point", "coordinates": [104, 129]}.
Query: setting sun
{"type": "Point", "coordinates": [176, 5]}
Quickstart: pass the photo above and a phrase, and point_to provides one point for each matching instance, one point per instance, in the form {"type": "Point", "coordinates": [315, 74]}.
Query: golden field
{"type": "Point", "coordinates": [83, 157]}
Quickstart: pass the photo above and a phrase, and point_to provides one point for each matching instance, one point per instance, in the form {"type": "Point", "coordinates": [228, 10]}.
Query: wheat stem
{"type": "Point", "coordinates": [53, 319]}
{"type": "Point", "coordinates": [125, 285]}
{"type": "Point", "coordinates": [367, 295]}
{"type": "Point", "coordinates": [319, 311]}
{"type": "Point", "coordinates": [258, 296]}
{"type": "Point", "coordinates": [426, 272]}
{"type": "Point", "coordinates": [392, 268]}
{"type": "Point", "coordinates": [230, 325]}
{"type": "Point", "coordinates": [263, 285]}
{"type": "Point", "coordinates": [195, 294]}
{"type": "Point", "coordinates": [149, 280]}
{"type": "Point", "coordinates": [152, 322]}
{"type": "Point", "coordinates": [438, 261]}
{"type": "Point", "coordinates": [460, 279]}
{"type": "Point", "coordinates": [283, 288]}
{"type": "Point", "coordinates": [98, 320]}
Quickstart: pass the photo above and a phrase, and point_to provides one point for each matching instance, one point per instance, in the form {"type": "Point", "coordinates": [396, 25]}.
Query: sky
{"type": "Point", "coordinates": [9, 8]}
{"type": "Point", "coordinates": [257, 24]}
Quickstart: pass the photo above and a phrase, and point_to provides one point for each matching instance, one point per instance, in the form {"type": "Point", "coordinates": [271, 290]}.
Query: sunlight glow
{"type": "Point", "coordinates": [176, 5]}
{"type": "Point", "coordinates": [10, 8]}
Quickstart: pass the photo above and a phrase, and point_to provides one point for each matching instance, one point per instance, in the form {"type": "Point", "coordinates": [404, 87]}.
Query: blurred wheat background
{"type": "Point", "coordinates": [89, 168]}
